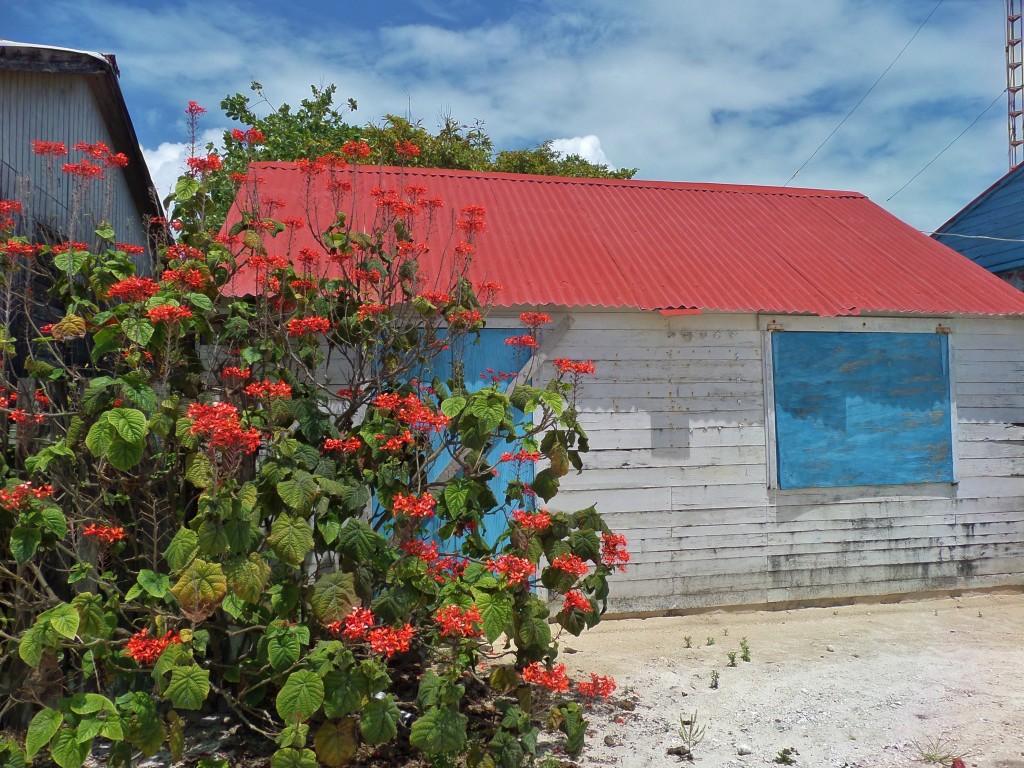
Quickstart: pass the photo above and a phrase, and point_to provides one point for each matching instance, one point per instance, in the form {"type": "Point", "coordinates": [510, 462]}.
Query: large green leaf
{"type": "Point", "coordinates": [299, 492]}
{"type": "Point", "coordinates": [154, 583]}
{"type": "Point", "coordinates": [54, 521]}
{"type": "Point", "coordinates": [199, 469]}
{"type": "Point", "coordinates": [139, 331]}
{"type": "Point", "coordinates": [67, 751]}
{"type": "Point", "coordinates": [90, 611]}
{"type": "Point", "coordinates": [64, 620]}
{"type": "Point", "coordinates": [30, 647]}
{"type": "Point", "coordinates": [283, 650]}
{"type": "Point", "coordinates": [496, 610]}
{"type": "Point", "coordinates": [97, 440]}
{"type": "Point", "coordinates": [359, 541]}
{"type": "Point", "coordinates": [291, 538]}
{"type": "Point", "coordinates": [200, 589]}
{"type": "Point", "coordinates": [574, 727]}
{"type": "Point", "coordinates": [129, 423]}
{"type": "Point", "coordinates": [189, 687]}
{"type": "Point", "coordinates": [452, 406]}
{"type": "Point", "coordinates": [186, 188]}
{"type": "Point", "coordinates": [336, 741]}
{"type": "Point", "coordinates": [300, 696]}
{"type": "Point", "coordinates": [248, 577]}
{"type": "Point", "coordinates": [41, 730]}
{"type": "Point", "coordinates": [441, 730]}
{"type": "Point", "coordinates": [293, 758]}
{"type": "Point", "coordinates": [124, 455]}
{"type": "Point", "coordinates": [379, 720]}
{"type": "Point", "coordinates": [24, 542]}
{"type": "Point", "coordinates": [334, 595]}
{"type": "Point", "coordinates": [182, 549]}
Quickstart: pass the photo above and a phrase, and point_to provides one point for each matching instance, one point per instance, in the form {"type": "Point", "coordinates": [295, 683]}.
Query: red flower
{"type": "Point", "coordinates": [219, 424]}
{"type": "Point", "coordinates": [516, 570]}
{"type": "Point", "coordinates": [532, 521]}
{"type": "Point", "coordinates": [96, 151]}
{"type": "Point", "coordinates": [456, 622]}
{"type": "Point", "coordinates": [465, 319]}
{"type": "Point", "coordinates": [571, 564]}
{"type": "Point", "coordinates": [414, 506]}
{"type": "Point", "coordinates": [19, 497]}
{"type": "Point", "coordinates": [201, 166]}
{"type": "Point", "coordinates": [10, 207]}
{"type": "Point", "coordinates": [534, 319]}
{"type": "Point", "coordinates": [598, 686]}
{"type": "Point", "coordinates": [146, 650]}
{"type": "Point", "coordinates": [613, 550]}
{"type": "Point", "coordinates": [437, 298]}
{"type": "Point", "coordinates": [576, 367]}
{"type": "Point", "coordinates": [234, 372]}
{"type": "Point", "coordinates": [389, 641]}
{"type": "Point", "coordinates": [268, 389]}
{"type": "Point", "coordinates": [472, 219]}
{"type": "Point", "coordinates": [168, 313]}
{"type": "Point", "coordinates": [521, 456]}
{"type": "Point", "coordinates": [349, 445]}
{"type": "Point", "coordinates": [194, 110]}
{"type": "Point", "coordinates": [50, 148]}
{"type": "Point", "coordinates": [366, 311]}
{"type": "Point", "coordinates": [406, 149]}
{"type": "Point", "coordinates": [355, 626]}
{"type": "Point", "coordinates": [576, 599]}
{"type": "Point", "coordinates": [105, 533]}
{"type": "Point", "coordinates": [526, 341]}
{"type": "Point", "coordinates": [85, 169]}
{"type": "Point", "coordinates": [423, 550]}
{"type": "Point", "coordinates": [184, 278]}
{"type": "Point", "coordinates": [118, 160]}
{"type": "Point", "coordinates": [42, 399]}
{"type": "Point", "coordinates": [356, 149]}
{"type": "Point", "coordinates": [554, 680]}
{"type": "Point", "coordinates": [131, 250]}
{"type": "Point", "coordinates": [133, 289]}
{"type": "Point", "coordinates": [308, 326]}
{"type": "Point", "coordinates": [181, 252]}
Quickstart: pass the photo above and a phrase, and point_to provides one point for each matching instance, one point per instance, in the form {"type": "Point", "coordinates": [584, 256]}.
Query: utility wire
{"type": "Point", "coordinates": [954, 141]}
{"type": "Point", "coordinates": [869, 90]}
{"type": "Point", "coordinates": [974, 237]}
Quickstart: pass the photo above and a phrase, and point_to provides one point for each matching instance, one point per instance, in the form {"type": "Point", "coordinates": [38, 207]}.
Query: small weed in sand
{"type": "Point", "coordinates": [785, 756]}
{"type": "Point", "coordinates": [687, 642]}
{"type": "Point", "coordinates": [725, 632]}
{"type": "Point", "coordinates": [744, 649]}
{"type": "Point", "coordinates": [690, 734]}
{"type": "Point", "coordinates": [732, 658]}
{"type": "Point", "coordinates": [711, 641]}
{"type": "Point", "coordinates": [938, 751]}
{"type": "Point", "coordinates": [714, 678]}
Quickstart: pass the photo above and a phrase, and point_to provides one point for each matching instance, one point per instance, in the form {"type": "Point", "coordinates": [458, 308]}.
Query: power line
{"type": "Point", "coordinates": [869, 90]}
{"type": "Point", "coordinates": [954, 141]}
{"type": "Point", "coordinates": [973, 237]}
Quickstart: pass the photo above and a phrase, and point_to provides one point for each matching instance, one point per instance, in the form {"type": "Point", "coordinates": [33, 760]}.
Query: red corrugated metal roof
{"type": "Point", "coordinates": [661, 245]}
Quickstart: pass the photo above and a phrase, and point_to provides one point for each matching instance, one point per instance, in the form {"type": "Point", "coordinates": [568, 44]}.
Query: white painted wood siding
{"type": "Point", "coordinates": [678, 463]}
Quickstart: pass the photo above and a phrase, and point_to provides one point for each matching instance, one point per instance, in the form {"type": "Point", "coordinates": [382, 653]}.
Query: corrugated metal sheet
{"type": "Point", "coordinates": [660, 245]}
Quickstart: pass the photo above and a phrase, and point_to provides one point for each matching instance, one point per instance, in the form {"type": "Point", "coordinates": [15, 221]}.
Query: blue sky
{"type": "Point", "coordinates": [732, 91]}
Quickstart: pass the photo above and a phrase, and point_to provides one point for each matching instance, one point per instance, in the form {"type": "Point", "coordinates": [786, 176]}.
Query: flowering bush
{"type": "Point", "coordinates": [193, 514]}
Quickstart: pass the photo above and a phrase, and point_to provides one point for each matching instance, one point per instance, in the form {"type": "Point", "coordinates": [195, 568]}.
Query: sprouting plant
{"type": "Point", "coordinates": [711, 641]}
{"type": "Point", "coordinates": [785, 756]}
{"type": "Point", "coordinates": [690, 733]}
{"type": "Point", "coordinates": [744, 649]}
{"type": "Point", "coordinates": [938, 751]}
{"type": "Point", "coordinates": [732, 658]}
{"type": "Point", "coordinates": [687, 641]}
{"type": "Point", "coordinates": [714, 678]}
{"type": "Point", "coordinates": [725, 632]}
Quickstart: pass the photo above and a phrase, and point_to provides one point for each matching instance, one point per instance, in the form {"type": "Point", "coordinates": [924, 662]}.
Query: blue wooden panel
{"type": "Point", "coordinates": [997, 213]}
{"type": "Point", "coordinates": [482, 360]}
{"type": "Point", "coordinates": [861, 409]}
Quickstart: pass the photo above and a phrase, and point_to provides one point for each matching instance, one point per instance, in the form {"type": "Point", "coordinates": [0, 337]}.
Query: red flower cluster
{"type": "Point", "coordinates": [349, 445]}
{"type": "Point", "coordinates": [356, 150]}
{"type": "Point", "coordinates": [8, 399]}
{"type": "Point", "coordinates": [19, 497]}
{"type": "Point", "coordinates": [521, 456]}
{"type": "Point", "coordinates": [571, 564]}
{"type": "Point", "coordinates": [184, 278]}
{"type": "Point", "coordinates": [465, 319]}
{"type": "Point", "coordinates": [268, 389]}
{"type": "Point", "coordinates": [472, 219]}
{"type": "Point", "coordinates": [250, 136]}
{"type": "Point", "coordinates": [194, 110]}
{"type": "Point", "coordinates": [578, 367]}
{"type": "Point", "coordinates": [49, 148]}
{"type": "Point", "coordinates": [116, 160]}
{"type": "Point", "coordinates": [425, 551]}
{"type": "Point", "coordinates": [108, 534]}
{"type": "Point", "coordinates": [412, 412]}
{"type": "Point", "coordinates": [532, 521]}
{"type": "Point", "coordinates": [365, 275]}
{"type": "Point", "coordinates": [219, 424]}
{"type": "Point", "coordinates": [355, 626]}
{"type": "Point", "coordinates": [534, 319]}
{"type": "Point", "coordinates": [42, 398]}
{"type": "Point", "coordinates": [437, 298]}
{"type": "Point", "coordinates": [168, 313]}
{"type": "Point", "coordinates": [487, 290]}
{"type": "Point", "coordinates": [613, 550]}
{"type": "Point", "coordinates": [448, 568]}
{"type": "Point", "coordinates": [131, 250]}
{"type": "Point", "coordinates": [145, 649]}
{"type": "Point", "coordinates": [389, 200]}
{"type": "Point", "coordinates": [201, 166]}
{"type": "Point", "coordinates": [516, 570]}
{"type": "Point", "coordinates": [85, 169]}
{"type": "Point", "coordinates": [21, 416]}
{"type": "Point", "coordinates": [527, 341]}
{"type": "Point", "coordinates": [389, 641]}
{"type": "Point", "coordinates": [576, 599]}
{"type": "Point", "coordinates": [133, 289]}
{"type": "Point", "coordinates": [603, 686]}
{"type": "Point", "coordinates": [373, 309]}
{"type": "Point", "coordinates": [554, 680]}
{"type": "Point", "coordinates": [414, 506]}
{"type": "Point", "coordinates": [406, 149]}
{"type": "Point", "coordinates": [18, 248]}
{"type": "Point", "coordinates": [308, 326]}
{"type": "Point", "coordinates": [456, 622]}
{"type": "Point", "coordinates": [97, 150]}
{"type": "Point", "coordinates": [234, 372]}
{"type": "Point", "coordinates": [182, 252]}
{"type": "Point", "coordinates": [397, 443]}
{"type": "Point", "coordinates": [10, 207]}
{"type": "Point", "coordinates": [69, 245]}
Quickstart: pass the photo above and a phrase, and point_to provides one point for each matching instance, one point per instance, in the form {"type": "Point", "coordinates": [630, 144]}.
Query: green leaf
{"type": "Point", "coordinates": [106, 232]}
{"type": "Point", "coordinates": [573, 726]}
{"type": "Point", "coordinates": [300, 696]}
{"type": "Point", "coordinates": [291, 538]}
{"type": "Point", "coordinates": [182, 549]}
{"type": "Point", "coordinates": [90, 610]}
{"type": "Point", "coordinates": [283, 650]}
{"type": "Point", "coordinates": [67, 751]}
{"type": "Point", "coordinates": [129, 423]}
{"type": "Point", "coordinates": [452, 406]}
{"type": "Point", "coordinates": [336, 742]}
{"type": "Point", "coordinates": [88, 703]}
{"type": "Point", "coordinates": [139, 331]}
{"type": "Point", "coordinates": [299, 492]}
{"type": "Point", "coordinates": [70, 261]}
{"type": "Point", "coordinates": [456, 495]}
{"type": "Point", "coordinates": [248, 577]}
{"type": "Point", "coordinates": [198, 469]}
{"type": "Point", "coordinates": [41, 730]}
{"type": "Point", "coordinates": [200, 301]}
{"type": "Point", "coordinates": [334, 595]}
{"type": "Point", "coordinates": [496, 610]}
{"type": "Point", "coordinates": [154, 583]}
{"type": "Point", "coordinates": [97, 440]}
{"type": "Point", "coordinates": [379, 720]}
{"type": "Point", "coordinates": [359, 541]}
{"type": "Point", "coordinates": [293, 758]}
{"type": "Point", "coordinates": [489, 407]}
{"type": "Point", "coordinates": [24, 543]}
{"type": "Point", "coordinates": [545, 484]}
{"type": "Point", "coordinates": [139, 393]}
{"type": "Point", "coordinates": [124, 455]}
{"type": "Point", "coordinates": [186, 188]}
{"type": "Point", "coordinates": [439, 731]}
{"type": "Point", "coordinates": [54, 521]}
{"type": "Point", "coordinates": [189, 687]}
{"type": "Point", "coordinates": [30, 647]}
{"type": "Point", "coordinates": [64, 620]}
{"type": "Point", "coordinates": [200, 589]}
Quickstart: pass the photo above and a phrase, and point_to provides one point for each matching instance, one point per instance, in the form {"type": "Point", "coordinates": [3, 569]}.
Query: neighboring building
{"type": "Point", "coordinates": [60, 95]}
{"type": "Point", "coordinates": [990, 229]}
{"type": "Point", "coordinates": [798, 397]}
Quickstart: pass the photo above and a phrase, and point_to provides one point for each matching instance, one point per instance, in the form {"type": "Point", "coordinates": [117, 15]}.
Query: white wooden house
{"type": "Point", "coordinates": [798, 397]}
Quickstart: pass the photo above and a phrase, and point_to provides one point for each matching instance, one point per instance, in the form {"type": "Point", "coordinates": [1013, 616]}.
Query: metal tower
{"type": "Point", "coordinates": [1015, 81]}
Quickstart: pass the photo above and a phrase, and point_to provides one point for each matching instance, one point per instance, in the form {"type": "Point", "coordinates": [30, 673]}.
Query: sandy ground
{"type": "Point", "coordinates": [851, 686]}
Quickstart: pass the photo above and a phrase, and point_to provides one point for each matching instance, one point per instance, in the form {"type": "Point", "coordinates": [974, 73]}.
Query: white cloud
{"type": "Point", "coordinates": [167, 162]}
{"type": "Point", "coordinates": [588, 147]}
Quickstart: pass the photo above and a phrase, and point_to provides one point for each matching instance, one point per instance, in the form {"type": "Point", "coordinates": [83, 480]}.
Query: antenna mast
{"type": "Point", "coordinates": [1015, 81]}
